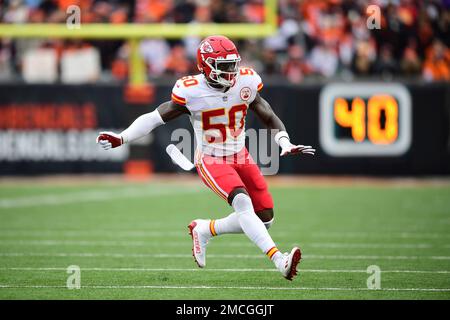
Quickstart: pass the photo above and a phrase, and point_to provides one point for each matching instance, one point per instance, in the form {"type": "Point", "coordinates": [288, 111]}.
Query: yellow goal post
{"type": "Point", "coordinates": [134, 33]}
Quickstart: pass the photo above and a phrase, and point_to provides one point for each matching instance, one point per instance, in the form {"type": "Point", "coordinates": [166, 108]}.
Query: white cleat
{"type": "Point", "coordinates": [199, 231]}
{"type": "Point", "coordinates": [288, 264]}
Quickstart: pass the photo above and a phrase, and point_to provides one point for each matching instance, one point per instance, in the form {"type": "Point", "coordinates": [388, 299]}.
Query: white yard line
{"type": "Point", "coordinates": [217, 270]}
{"type": "Point", "coordinates": [109, 243]}
{"type": "Point", "coordinates": [381, 234]}
{"type": "Point", "coordinates": [374, 257]}
{"type": "Point", "coordinates": [218, 256]}
{"type": "Point", "coordinates": [371, 245]}
{"type": "Point", "coordinates": [12, 286]}
{"type": "Point", "coordinates": [90, 196]}
{"type": "Point", "coordinates": [159, 228]}
{"type": "Point", "coordinates": [159, 231]}
{"type": "Point", "coordinates": [91, 243]}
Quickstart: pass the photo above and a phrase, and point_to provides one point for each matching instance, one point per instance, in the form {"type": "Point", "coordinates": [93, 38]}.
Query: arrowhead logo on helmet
{"type": "Point", "coordinates": [205, 47]}
{"type": "Point", "coordinates": [218, 59]}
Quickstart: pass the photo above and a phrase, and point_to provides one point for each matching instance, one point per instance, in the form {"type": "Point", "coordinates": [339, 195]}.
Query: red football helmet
{"type": "Point", "coordinates": [218, 59]}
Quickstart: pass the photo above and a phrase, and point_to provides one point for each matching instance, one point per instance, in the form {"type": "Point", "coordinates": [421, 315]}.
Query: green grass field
{"type": "Point", "coordinates": [131, 242]}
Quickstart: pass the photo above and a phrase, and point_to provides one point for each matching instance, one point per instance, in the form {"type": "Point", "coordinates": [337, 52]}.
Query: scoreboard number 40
{"type": "Point", "coordinates": [369, 119]}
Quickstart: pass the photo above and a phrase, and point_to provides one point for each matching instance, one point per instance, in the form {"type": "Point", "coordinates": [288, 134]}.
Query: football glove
{"type": "Point", "coordinates": [108, 140]}
{"type": "Point", "coordinates": [287, 148]}
{"type": "Point", "coordinates": [293, 149]}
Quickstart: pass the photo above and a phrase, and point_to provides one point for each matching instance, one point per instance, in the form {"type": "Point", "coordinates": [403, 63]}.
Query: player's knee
{"type": "Point", "coordinates": [242, 203]}
{"type": "Point", "coordinates": [266, 216]}
{"type": "Point", "coordinates": [235, 192]}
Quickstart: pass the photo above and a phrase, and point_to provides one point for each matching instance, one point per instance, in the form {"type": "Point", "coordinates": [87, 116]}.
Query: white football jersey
{"type": "Point", "coordinates": [218, 118]}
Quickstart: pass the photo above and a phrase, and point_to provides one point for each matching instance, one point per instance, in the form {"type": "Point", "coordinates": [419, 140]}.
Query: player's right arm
{"type": "Point", "coordinates": [147, 122]}
{"type": "Point", "coordinates": [142, 126]}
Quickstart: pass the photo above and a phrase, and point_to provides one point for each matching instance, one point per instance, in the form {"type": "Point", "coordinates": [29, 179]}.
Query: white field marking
{"type": "Point", "coordinates": [370, 245]}
{"type": "Point", "coordinates": [157, 228]}
{"type": "Point", "coordinates": [218, 256]}
{"type": "Point", "coordinates": [404, 235]}
{"type": "Point", "coordinates": [188, 242]}
{"type": "Point", "coordinates": [89, 196]}
{"type": "Point", "coordinates": [90, 243]}
{"type": "Point", "coordinates": [376, 257]}
{"type": "Point", "coordinates": [218, 270]}
{"type": "Point", "coordinates": [12, 286]}
{"type": "Point", "coordinates": [111, 233]}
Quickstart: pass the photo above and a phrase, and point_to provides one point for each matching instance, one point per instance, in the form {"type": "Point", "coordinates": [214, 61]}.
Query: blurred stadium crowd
{"type": "Point", "coordinates": [316, 39]}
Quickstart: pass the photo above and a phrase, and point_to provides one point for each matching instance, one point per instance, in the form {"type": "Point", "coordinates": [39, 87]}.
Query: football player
{"type": "Point", "coordinates": [217, 101]}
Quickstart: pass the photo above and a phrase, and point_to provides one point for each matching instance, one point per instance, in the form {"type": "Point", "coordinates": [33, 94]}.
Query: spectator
{"type": "Point", "coordinates": [155, 53]}
{"type": "Point", "coordinates": [5, 56]}
{"type": "Point", "coordinates": [270, 63]}
{"type": "Point", "coordinates": [332, 34]}
{"type": "Point", "coordinates": [324, 60]}
{"type": "Point", "coordinates": [437, 64]}
{"type": "Point", "coordinates": [386, 65]}
{"type": "Point", "coordinates": [363, 59]}
{"type": "Point", "coordinates": [177, 63]}
{"type": "Point", "coordinates": [346, 50]}
{"type": "Point", "coordinates": [254, 11]}
{"type": "Point", "coordinates": [410, 63]}
{"type": "Point", "coordinates": [17, 12]}
{"type": "Point", "coordinates": [152, 10]}
{"type": "Point", "coordinates": [296, 68]}
{"type": "Point", "coordinates": [202, 15]}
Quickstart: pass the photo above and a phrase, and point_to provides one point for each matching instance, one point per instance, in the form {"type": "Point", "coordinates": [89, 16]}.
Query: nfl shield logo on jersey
{"type": "Point", "coordinates": [246, 93]}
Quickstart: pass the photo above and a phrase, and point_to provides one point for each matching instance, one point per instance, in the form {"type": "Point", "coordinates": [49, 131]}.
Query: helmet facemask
{"type": "Point", "coordinates": [224, 71]}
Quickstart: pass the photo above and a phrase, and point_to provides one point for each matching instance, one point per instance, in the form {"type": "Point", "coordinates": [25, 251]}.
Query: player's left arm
{"type": "Point", "coordinates": [266, 114]}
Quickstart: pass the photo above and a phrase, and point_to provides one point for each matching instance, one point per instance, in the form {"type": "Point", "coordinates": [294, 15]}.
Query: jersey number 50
{"type": "Point", "coordinates": [222, 127]}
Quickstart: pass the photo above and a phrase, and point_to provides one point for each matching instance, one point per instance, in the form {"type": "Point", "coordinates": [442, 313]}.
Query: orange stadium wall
{"type": "Point", "coordinates": [46, 129]}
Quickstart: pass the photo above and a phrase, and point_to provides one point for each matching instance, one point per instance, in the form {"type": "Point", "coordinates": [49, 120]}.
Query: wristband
{"type": "Point", "coordinates": [279, 138]}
